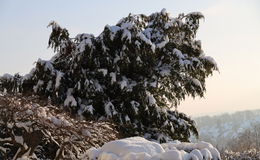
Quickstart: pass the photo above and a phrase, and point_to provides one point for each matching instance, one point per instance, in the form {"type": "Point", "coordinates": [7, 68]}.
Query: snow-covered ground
{"type": "Point", "coordinates": [138, 148]}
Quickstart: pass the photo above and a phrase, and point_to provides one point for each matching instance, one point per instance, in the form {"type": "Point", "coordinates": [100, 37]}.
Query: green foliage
{"type": "Point", "coordinates": [134, 73]}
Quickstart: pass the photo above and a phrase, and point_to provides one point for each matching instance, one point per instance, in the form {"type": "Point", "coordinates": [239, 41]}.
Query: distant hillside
{"type": "Point", "coordinates": [221, 128]}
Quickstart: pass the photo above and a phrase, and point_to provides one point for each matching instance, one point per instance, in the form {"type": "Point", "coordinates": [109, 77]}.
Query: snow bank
{"type": "Point", "coordinates": [138, 148]}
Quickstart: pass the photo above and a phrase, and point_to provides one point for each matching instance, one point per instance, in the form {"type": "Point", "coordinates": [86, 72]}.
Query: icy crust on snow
{"type": "Point", "coordinates": [138, 148]}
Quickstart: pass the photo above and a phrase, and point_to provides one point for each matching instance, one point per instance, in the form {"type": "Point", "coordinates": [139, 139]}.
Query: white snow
{"type": "Point", "coordinates": [116, 59]}
{"type": "Point", "coordinates": [163, 43]}
{"type": "Point", "coordinates": [211, 60]}
{"type": "Point", "coordinates": [138, 148]}
{"type": "Point", "coordinates": [153, 84]}
{"type": "Point", "coordinates": [138, 59]}
{"type": "Point", "coordinates": [88, 108]}
{"type": "Point", "coordinates": [92, 153]}
{"type": "Point", "coordinates": [196, 82]}
{"type": "Point", "coordinates": [126, 34]}
{"type": "Point", "coordinates": [7, 76]}
{"type": "Point", "coordinates": [171, 23]}
{"type": "Point", "coordinates": [114, 30]}
{"type": "Point", "coordinates": [113, 77]}
{"type": "Point", "coordinates": [47, 65]}
{"type": "Point", "coordinates": [196, 153]}
{"type": "Point", "coordinates": [169, 155]}
{"type": "Point", "coordinates": [49, 85]}
{"type": "Point", "coordinates": [39, 84]}
{"type": "Point", "coordinates": [58, 79]}
{"type": "Point", "coordinates": [70, 100]}
{"type": "Point", "coordinates": [178, 53]}
{"type": "Point", "coordinates": [123, 84]}
{"type": "Point", "coordinates": [85, 40]}
{"type": "Point", "coordinates": [135, 106]}
{"type": "Point", "coordinates": [127, 118]}
{"type": "Point", "coordinates": [127, 25]}
{"type": "Point", "coordinates": [104, 71]}
{"type": "Point", "coordinates": [88, 42]}
{"type": "Point", "coordinates": [206, 154]}
{"type": "Point", "coordinates": [135, 145]}
{"type": "Point", "coordinates": [151, 99]}
{"type": "Point", "coordinates": [98, 87]}
{"type": "Point", "coordinates": [137, 43]}
{"type": "Point", "coordinates": [165, 72]}
{"type": "Point", "coordinates": [146, 40]}
{"type": "Point", "coordinates": [127, 84]}
{"type": "Point", "coordinates": [56, 121]}
{"type": "Point", "coordinates": [86, 132]}
{"type": "Point", "coordinates": [163, 11]}
{"type": "Point", "coordinates": [110, 109]}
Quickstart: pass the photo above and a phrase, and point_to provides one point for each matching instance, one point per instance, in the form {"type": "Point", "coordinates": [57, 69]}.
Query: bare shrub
{"type": "Point", "coordinates": [30, 128]}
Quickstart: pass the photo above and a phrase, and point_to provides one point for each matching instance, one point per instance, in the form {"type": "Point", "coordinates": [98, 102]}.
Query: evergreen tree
{"type": "Point", "coordinates": [134, 73]}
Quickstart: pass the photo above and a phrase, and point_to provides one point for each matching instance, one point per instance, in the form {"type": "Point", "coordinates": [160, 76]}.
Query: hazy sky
{"type": "Point", "coordinates": [230, 34]}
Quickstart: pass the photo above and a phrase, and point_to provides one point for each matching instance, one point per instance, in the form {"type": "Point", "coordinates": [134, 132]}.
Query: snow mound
{"type": "Point", "coordinates": [134, 145]}
{"type": "Point", "coordinates": [138, 148]}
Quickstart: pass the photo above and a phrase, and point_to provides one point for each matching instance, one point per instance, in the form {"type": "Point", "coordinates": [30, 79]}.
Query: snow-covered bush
{"type": "Point", "coordinates": [137, 148]}
{"type": "Point", "coordinates": [37, 130]}
{"type": "Point", "coordinates": [247, 140]}
{"type": "Point", "coordinates": [251, 154]}
{"type": "Point", "coordinates": [30, 129]}
{"type": "Point", "coordinates": [245, 146]}
{"type": "Point", "coordinates": [135, 73]}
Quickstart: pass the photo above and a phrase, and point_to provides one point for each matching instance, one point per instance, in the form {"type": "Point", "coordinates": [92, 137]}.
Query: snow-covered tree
{"type": "Point", "coordinates": [134, 73]}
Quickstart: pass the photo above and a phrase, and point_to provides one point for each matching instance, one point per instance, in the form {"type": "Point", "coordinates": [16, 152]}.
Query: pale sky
{"type": "Point", "coordinates": [230, 34]}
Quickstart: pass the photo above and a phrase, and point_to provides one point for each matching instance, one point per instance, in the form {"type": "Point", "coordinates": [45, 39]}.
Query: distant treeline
{"type": "Point", "coordinates": [231, 131]}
